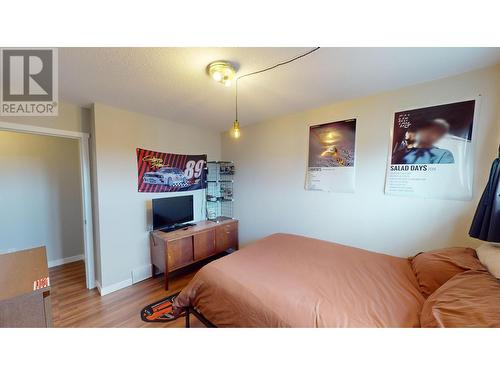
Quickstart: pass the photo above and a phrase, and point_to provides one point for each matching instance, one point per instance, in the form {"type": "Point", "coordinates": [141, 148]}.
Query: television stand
{"type": "Point", "coordinates": [171, 251]}
{"type": "Point", "coordinates": [176, 227]}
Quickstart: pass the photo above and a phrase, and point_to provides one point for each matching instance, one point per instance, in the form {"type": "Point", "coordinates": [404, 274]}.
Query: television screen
{"type": "Point", "coordinates": [171, 211]}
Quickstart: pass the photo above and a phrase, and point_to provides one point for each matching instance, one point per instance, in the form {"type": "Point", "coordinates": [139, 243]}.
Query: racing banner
{"type": "Point", "coordinates": [163, 172]}
{"type": "Point", "coordinates": [431, 153]}
{"type": "Point", "coordinates": [331, 157]}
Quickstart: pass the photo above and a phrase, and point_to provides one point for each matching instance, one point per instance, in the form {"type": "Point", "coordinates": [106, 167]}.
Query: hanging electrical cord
{"type": "Point", "coordinates": [236, 128]}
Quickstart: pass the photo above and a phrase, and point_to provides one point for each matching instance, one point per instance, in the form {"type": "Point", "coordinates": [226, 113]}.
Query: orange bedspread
{"type": "Point", "coordinates": [292, 281]}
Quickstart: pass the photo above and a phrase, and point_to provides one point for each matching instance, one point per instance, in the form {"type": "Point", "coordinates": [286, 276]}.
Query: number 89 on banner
{"type": "Point", "coordinates": [194, 169]}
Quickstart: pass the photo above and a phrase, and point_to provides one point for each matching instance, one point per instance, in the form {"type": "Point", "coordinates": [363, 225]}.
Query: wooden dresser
{"type": "Point", "coordinates": [177, 249]}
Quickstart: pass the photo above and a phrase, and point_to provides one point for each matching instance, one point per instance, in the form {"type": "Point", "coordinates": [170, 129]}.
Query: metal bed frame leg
{"type": "Point", "coordinates": [191, 310]}
{"type": "Point", "coordinates": [188, 323]}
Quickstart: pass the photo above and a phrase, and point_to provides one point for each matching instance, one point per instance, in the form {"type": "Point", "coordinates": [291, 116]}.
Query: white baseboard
{"type": "Point", "coordinates": [113, 287]}
{"type": "Point", "coordinates": [58, 262]}
{"type": "Point", "coordinates": [98, 286]}
{"type": "Point", "coordinates": [141, 273]}
{"type": "Point", "coordinates": [138, 274]}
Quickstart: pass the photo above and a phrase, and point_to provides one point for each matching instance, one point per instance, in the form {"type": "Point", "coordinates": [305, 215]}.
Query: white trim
{"type": "Point", "coordinates": [88, 238]}
{"type": "Point", "coordinates": [141, 273]}
{"type": "Point", "coordinates": [21, 128]}
{"type": "Point", "coordinates": [113, 287]}
{"type": "Point", "coordinates": [61, 261]}
{"type": "Point", "coordinates": [83, 139]}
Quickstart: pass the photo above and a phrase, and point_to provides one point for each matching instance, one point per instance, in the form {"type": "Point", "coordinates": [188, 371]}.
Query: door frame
{"type": "Point", "coordinates": [83, 144]}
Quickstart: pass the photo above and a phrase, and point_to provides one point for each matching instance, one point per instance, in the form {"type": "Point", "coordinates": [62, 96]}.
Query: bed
{"type": "Point", "coordinates": [287, 280]}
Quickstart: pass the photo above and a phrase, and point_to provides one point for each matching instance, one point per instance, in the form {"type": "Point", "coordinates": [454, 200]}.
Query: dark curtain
{"type": "Point", "coordinates": [486, 222]}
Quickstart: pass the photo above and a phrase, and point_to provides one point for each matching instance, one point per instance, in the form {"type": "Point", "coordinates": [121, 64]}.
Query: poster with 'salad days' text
{"type": "Point", "coordinates": [431, 152]}
{"type": "Point", "coordinates": [332, 157]}
{"type": "Point", "coordinates": [164, 172]}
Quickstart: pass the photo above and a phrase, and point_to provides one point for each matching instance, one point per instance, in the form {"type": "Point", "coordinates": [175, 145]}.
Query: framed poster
{"type": "Point", "coordinates": [332, 157]}
{"type": "Point", "coordinates": [164, 172]}
{"type": "Point", "coordinates": [431, 152]}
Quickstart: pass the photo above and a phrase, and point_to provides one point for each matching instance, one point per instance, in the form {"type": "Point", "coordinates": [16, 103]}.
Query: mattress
{"type": "Point", "coordinates": [287, 280]}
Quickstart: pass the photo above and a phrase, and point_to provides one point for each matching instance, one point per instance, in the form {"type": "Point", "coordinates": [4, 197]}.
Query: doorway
{"type": "Point", "coordinates": [78, 143]}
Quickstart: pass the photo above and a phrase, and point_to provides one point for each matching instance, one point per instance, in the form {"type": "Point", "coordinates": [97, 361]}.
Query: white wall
{"type": "Point", "coordinates": [123, 213]}
{"type": "Point", "coordinates": [40, 194]}
{"type": "Point", "coordinates": [271, 163]}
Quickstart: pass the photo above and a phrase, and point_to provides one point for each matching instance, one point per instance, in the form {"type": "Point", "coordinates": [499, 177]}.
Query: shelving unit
{"type": "Point", "coordinates": [219, 193]}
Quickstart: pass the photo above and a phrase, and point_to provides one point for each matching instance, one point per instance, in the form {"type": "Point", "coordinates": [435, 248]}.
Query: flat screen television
{"type": "Point", "coordinates": [168, 212]}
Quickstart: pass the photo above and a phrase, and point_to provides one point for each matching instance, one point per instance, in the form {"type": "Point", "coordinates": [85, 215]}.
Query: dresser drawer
{"type": "Point", "coordinates": [179, 252]}
{"type": "Point", "coordinates": [226, 237]}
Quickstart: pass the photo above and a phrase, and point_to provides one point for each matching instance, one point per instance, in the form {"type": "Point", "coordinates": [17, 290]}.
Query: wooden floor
{"type": "Point", "coordinates": [73, 305]}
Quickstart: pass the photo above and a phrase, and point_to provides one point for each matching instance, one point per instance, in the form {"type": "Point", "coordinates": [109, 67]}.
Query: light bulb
{"type": "Point", "coordinates": [227, 83]}
{"type": "Point", "coordinates": [236, 133]}
{"type": "Point", "coordinates": [217, 76]}
{"type": "Point", "coordinates": [236, 130]}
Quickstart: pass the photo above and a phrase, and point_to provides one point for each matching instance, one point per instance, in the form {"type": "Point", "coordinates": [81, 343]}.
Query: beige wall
{"type": "Point", "coordinates": [40, 194]}
{"type": "Point", "coordinates": [271, 160]}
{"type": "Point", "coordinates": [123, 213]}
{"type": "Point", "coordinates": [271, 165]}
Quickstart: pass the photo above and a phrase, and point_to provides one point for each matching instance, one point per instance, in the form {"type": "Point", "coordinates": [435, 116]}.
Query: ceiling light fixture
{"type": "Point", "coordinates": [222, 71]}
{"type": "Point", "coordinates": [235, 132]}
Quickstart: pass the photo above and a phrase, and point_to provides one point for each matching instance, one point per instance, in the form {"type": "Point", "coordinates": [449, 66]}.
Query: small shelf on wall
{"type": "Point", "coordinates": [220, 181]}
{"type": "Point", "coordinates": [219, 192]}
{"type": "Point", "coordinates": [213, 199]}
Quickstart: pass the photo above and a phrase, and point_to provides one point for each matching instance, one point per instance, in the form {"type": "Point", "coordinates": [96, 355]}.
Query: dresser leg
{"type": "Point", "coordinates": [166, 269]}
{"type": "Point", "coordinates": [166, 280]}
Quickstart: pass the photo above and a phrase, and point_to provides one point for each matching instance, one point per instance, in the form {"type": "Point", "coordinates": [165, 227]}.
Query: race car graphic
{"type": "Point", "coordinates": [165, 176]}
{"type": "Point", "coordinates": [159, 172]}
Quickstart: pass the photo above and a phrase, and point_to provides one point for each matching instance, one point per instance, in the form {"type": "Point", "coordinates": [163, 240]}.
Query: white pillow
{"type": "Point", "coordinates": [489, 256]}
